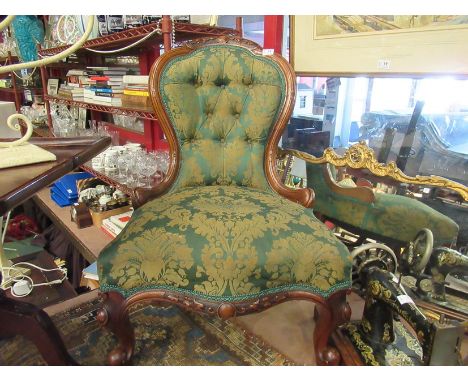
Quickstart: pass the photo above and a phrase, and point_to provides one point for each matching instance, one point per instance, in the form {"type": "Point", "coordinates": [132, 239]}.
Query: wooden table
{"type": "Point", "coordinates": [88, 241]}
{"type": "Point", "coordinates": [19, 317]}
{"type": "Point", "coordinates": [24, 181]}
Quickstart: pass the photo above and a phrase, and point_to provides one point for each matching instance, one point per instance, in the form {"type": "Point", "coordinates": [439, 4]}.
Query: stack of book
{"type": "Point", "coordinates": [65, 91]}
{"type": "Point", "coordinates": [104, 85]}
{"type": "Point", "coordinates": [77, 79]}
{"type": "Point", "coordinates": [115, 224]}
{"type": "Point", "coordinates": [135, 91]}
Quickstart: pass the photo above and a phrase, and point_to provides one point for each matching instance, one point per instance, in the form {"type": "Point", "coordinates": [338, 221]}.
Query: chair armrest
{"type": "Point", "coordinates": [362, 193]}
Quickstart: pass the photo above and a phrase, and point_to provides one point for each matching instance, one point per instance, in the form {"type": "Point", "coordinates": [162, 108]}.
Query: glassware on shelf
{"type": "Point", "coordinates": [151, 167]}
{"type": "Point", "coordinates": [162, 162]}
{"type": "Point", "coordinates": [36, 113]}
{"type": "Point", "coordinates": [131, 165]}
{"type": "Point", "coordinates": [127, 122]}
{"type": "Point", "coordinates": [122, 164]}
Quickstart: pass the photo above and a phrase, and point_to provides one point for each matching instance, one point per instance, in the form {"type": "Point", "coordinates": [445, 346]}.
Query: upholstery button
{"type": "Point", "coordinates": [237, 115]}
{"type": "Point", "coordinates": [223, 86]}
{"type": "Point", "coordinates": [250, 86]}
{"type": "Point", "coordinates": [222, 140]}
{"type": "Point", "coordinates": [209, 114]}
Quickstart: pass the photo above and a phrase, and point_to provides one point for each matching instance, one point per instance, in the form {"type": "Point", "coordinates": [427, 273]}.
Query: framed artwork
{"type": "Point", "coordinates": [52, 86]}
{"type": "Point", "coordinates": [211, 20]}
{"type": "Point", "coordinates": [336, 26]}
{"type": "Point", "coordinates": [379, 45]}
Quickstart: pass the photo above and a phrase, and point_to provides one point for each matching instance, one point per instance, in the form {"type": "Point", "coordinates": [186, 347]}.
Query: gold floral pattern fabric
{"type": "Point", "coordinates": [224, 241]}
{"type": "Point", "coordinates": [392, 216]}
{"type": "Point", "coordinates": [222, 102]}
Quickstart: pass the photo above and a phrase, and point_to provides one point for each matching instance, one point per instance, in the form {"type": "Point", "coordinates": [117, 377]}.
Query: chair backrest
{"type": "Point", "coordinates": [222, 104]}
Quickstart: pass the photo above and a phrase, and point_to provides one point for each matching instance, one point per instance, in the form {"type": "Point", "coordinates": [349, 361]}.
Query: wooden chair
{"type": "Point", "coordinates": [221, 234]}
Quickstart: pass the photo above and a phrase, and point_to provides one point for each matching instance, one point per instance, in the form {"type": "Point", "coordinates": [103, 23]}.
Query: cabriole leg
{"type": "Point", "coordinates": [114, 316]}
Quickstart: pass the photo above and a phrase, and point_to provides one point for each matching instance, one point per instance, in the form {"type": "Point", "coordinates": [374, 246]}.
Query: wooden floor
{"type": "Point", "coordinates": [289, 327]}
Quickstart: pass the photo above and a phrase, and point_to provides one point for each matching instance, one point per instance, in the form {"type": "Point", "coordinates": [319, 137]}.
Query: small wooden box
{"type": "Point", "coordinates": [98, 217]}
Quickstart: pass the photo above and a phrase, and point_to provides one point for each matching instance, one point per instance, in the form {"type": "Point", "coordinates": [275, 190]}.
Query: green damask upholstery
{"type": "Point", "coordinates": [395, 217]}
{"type": "Point", "coordinates": [221, 231]}
{"type": "Point", "coordinates": [224, 242]}
{"type": "Point", "coordinates": [222, 102]}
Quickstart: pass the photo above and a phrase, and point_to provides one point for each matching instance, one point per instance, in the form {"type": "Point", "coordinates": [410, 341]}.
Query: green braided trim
{"type": "Point", "coordinates": [283, 288]}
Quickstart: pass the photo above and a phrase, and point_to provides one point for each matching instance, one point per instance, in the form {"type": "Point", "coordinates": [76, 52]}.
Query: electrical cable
{"type": "Point", "coordinates": [18, 278]}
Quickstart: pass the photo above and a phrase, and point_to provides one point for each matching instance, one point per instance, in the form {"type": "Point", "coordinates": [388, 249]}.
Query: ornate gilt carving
{"type": "Point", "coordinates": [231, 40]}
{"type": "Point", "coordinates": [360, 156]}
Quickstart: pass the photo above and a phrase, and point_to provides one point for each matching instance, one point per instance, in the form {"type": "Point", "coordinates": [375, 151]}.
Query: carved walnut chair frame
{"type": "Point", "coordinates": [329, 313]}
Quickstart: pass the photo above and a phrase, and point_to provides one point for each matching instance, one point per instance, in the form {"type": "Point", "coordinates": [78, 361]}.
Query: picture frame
{"type": "Point", "coordinates": [412, 51]}
{"type": "Point", "coordinates": [52, 86]}
{"type": "Point", "coordinates": [211, 20]}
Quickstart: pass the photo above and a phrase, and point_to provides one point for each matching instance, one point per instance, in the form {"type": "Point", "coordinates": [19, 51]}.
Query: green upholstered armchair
{"type": "Point", "coordinates": [392, 219]}
{"type": "Point", "coordinates": [221, 235]}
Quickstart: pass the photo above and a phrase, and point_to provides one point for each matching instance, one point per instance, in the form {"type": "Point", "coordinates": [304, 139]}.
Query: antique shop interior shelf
{"type": "Point", "coordinates": [183, 31]}
{"type": "Point", "coordinates": [16, 92]}
{"type": "Point", "coordinates": [112, 182]}
{"type": "Point", "coordinates": [146, 53]}
{"type": "Point", "coordinates": [139, 112]}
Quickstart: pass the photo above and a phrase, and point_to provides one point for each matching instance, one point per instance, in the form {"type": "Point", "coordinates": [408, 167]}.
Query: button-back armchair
{"type": "Point", "coordinates": [221, 234]}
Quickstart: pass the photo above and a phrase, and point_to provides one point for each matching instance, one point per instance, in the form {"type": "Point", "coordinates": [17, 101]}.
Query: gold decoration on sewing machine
{"type": "Point", "coordinates": [361, 156]}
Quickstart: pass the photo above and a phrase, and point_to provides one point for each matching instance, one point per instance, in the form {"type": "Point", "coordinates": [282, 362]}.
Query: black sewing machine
{"type": "Point", "coordinates": [393, 331]}
{"type": "Point", "coordinates": [431, 269]}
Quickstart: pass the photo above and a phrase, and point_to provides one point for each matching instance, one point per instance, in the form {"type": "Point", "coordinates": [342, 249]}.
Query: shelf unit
{"type": "Point", "coordinates": [140, 112]}
{"type": "Point", "coordinates": [147, 52]}
{"type": "Point", "coordinates": [183, 31]}
{"type": "Point", "coordinates": [120, 186]}
{"type": "Point", "coordinates": [16, 92]}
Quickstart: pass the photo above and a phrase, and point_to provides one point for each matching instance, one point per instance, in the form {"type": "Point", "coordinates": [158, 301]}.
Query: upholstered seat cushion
{"type": "Point", "coordinates": [224, 242]}
{"type": "Point", "coordinates": [390, 216]}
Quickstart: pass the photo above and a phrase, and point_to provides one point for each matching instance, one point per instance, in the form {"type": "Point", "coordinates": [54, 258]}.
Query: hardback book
{"type": "Point", "coordinates": [121, 220]}
{"type": "Point", "coordinates": [140, 93]}
{"type": "Point", "coordinates": [108, 94]}
{"type": "Point", "coordinates": [106, 99]}
{"type": "Point", "coordinates": [111, 227]}
{"type": "Point", "coordinates": [117, 102]}
{"type": "Point", "coordinates": [99, 78]}
{"type": "Point", "coordinates": [77, 72]}
{"type": "Point", "coordinates": [132, 79]}
{"type": "Point", "coordinates": [90, 272]}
